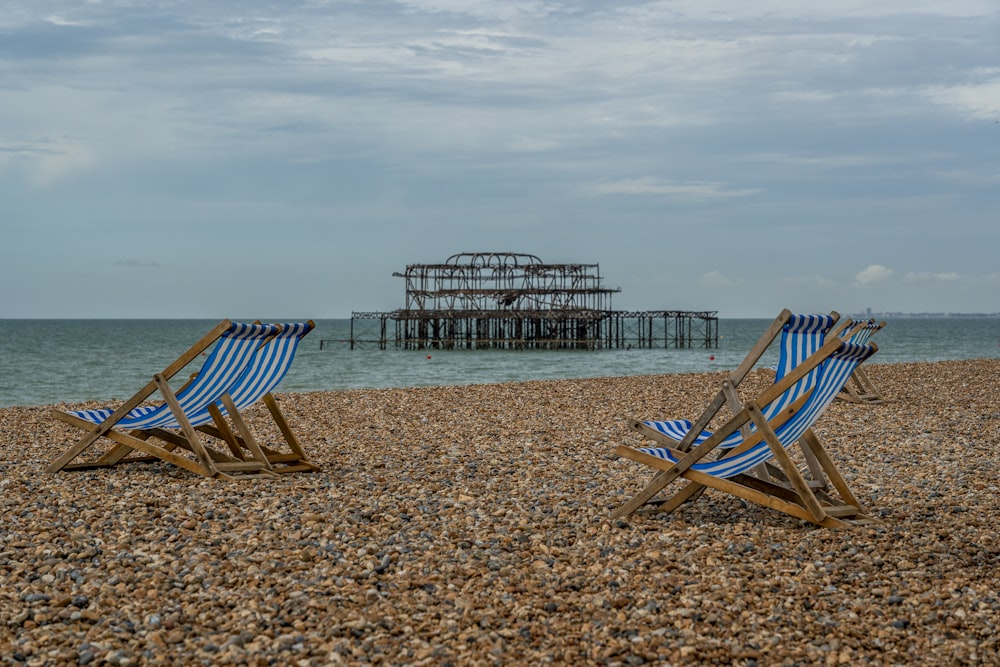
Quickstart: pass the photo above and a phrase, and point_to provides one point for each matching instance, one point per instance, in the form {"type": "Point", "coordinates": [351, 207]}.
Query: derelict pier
{"type": "Point", "coordinates": [515, 301]}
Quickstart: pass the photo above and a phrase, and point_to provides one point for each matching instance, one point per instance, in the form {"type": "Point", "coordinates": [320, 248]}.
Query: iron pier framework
{"type": "Point", "coordinates": [515, 301]}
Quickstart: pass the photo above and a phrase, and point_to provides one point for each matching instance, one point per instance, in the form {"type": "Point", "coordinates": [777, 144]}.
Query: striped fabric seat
{"type": "Point", "coordinates": [223, 370]}
{"type": "Point", "coordinates": [801, 337]}
{"type": "Point", "coordinates": [827, 380]}
{"type": "Point", "coordinates": [265, 371]}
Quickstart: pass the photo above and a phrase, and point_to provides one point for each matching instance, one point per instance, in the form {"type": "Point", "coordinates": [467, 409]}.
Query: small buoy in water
{"type": "Point", "coordinates": [711, 357]}
{"type": "Point", "coordinates": [428, 356]}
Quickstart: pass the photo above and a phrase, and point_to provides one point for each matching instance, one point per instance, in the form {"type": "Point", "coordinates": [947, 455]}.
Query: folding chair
{"type": "Point", "coordinates": [133, 424]}
{"type": "Point", "coordinates": [770, 434]}
{"type": "Point", "coordinates": [860, 388]}
{"type": "Point", "coordinates": [801, 336]}
{"type": "Point", "coordinates": [265, 371]}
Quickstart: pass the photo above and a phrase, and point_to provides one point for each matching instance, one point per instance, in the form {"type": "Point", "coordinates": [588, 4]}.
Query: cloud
{"type": "Point", "coordinates": [45, 161]}
{"type": "Point", "coordinates": [716, 279]}
{"type": "Point", "coordinates": [913, 277]}
{"type": "Point", "coordinates": [875, 273]}
{"type": "Point", "coordinates": [621, 132]}
{"type": "Point", "coordinates": [978, 100]}
{"type": "Point", "coordinates": [651, 186]}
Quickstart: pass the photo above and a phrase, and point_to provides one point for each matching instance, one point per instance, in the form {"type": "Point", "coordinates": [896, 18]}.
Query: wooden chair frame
{"type": "Point", "coordinates": [790, 492]}
{"type": "Point", "coordinates": [207, 462]}
{"type": "Point", "coordinates": [728, 394]}
{"type": "Point", "coordinates": [241, 442]}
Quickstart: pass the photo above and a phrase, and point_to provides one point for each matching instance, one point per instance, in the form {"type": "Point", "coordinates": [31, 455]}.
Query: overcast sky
{"type": "Point", "coordinates": [200, 158]}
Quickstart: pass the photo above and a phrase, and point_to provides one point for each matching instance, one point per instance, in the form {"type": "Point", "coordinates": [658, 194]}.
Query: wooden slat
{"type": "Point", "coordinates": [286, 430]}
{"type": "Point", "coordinates": [757, 351]}
{"type": "Point", "coordinates": [784, 462]}
{"type": "Point", "coordinates": [829, 467]}
{"type": "Point", "coordinates": [763, 499]}
{"type": "Point", "coordinates": [223, 432]}
{"type": "Point", "coordinates": [186, 428]}
{"type": "Point", "coordinates": [236, 466]}
{"type": "Point", "coordinates": [195, 350]}
{"type": "Point", "coordinates": [152, 450]}
{"type": "Point", "coordinates": [842, 510]}
{"type": "Point", "coordinates": [244, 431]}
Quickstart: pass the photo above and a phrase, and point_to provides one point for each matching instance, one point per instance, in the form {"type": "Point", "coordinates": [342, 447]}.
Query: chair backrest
{"type": "Point", "coordinates": [220, 371]}
{"type": "Point", "coordinates": [831, 375]}
{"type": "Point", "coordinates": [801, 337]}
{"type": "Point", "coordinates": [268, 367]}
{"type": "Point", "coordinates": [864, 331]}
{"type": "Point", "coordinates": [270, 364]}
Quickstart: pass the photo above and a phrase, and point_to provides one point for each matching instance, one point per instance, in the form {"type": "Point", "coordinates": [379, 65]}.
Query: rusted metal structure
{"type": "Point", "coordinates": [516, 301]}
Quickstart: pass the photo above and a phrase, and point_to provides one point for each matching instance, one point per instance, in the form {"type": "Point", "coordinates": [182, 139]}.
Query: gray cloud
{"type": "Point", "coordinates": [779, 141]}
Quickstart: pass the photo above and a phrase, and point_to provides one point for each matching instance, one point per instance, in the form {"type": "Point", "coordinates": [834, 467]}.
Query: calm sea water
{"type": "Point", "coordinates": [70, 361]}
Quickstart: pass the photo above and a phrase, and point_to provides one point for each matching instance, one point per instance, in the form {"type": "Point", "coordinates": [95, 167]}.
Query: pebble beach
{"type": "Point", "coordinates": [469, 525]}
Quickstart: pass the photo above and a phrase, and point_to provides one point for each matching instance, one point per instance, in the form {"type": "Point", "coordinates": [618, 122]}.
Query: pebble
{"type": "Point", "coordinates": [470, 525]}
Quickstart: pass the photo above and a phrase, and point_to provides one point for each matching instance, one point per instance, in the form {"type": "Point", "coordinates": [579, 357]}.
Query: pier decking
{"type": "Point", "coordinates": [579, 330]}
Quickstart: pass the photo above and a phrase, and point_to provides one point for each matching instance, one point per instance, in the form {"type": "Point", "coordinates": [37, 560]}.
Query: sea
{"type": "Point", "coordinates": [53, 361]}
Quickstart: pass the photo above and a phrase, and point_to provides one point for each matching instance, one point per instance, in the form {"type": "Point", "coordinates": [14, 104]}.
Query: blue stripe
{"type": "Point", "coordinates": [865, 333]}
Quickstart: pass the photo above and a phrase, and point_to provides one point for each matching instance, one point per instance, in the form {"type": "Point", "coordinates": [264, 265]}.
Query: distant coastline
{"type": "Point", "coordinates": [870, 313]}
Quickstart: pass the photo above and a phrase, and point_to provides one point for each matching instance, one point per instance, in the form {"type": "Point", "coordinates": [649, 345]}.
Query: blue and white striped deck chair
{"type": "Point", "coordinates": [266, 369]}
{"type": "Point", "coordinates": [860, 388]}
{"type": "Point", "coordinates": [132, 423]}
{"type": "Point", "coordinates": [265, 372]}
{"type": "Point", "coordinates": [801, 337]}
{"type": "Point", "coordinates": [834, 363]}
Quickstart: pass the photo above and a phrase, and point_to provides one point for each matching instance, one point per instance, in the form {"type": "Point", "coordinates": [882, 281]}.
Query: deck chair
{"type": "Point", "coordinates": [268, 368]}
{"type": "Point", "coordinates": [224, 420]}
{"type": "Point", "coordinates": [134, 424]}
{"type": "Point", "coordinates": [860, 388]}
{"type": "Point", "coordinates": [769, 439]}
{"type": "Point", "coordinates": [801, 336]}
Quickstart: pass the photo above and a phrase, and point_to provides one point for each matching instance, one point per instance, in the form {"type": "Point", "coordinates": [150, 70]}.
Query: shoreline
{"type": "Point", "coordinates": [104, 403]}
{"type": "Point", "coordinates": [469, 524]}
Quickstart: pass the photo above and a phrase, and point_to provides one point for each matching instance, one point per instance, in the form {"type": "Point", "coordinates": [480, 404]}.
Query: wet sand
{"type": "Point", "coordinates": [469, 526]}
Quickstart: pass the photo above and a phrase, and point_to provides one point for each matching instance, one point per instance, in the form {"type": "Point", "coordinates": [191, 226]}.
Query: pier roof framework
{"type": "Point", "coordinates": [498, 282]}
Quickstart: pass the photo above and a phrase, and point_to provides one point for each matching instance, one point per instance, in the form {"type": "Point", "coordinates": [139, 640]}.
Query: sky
{"type": "Point", "coordinates": [273, 160]}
